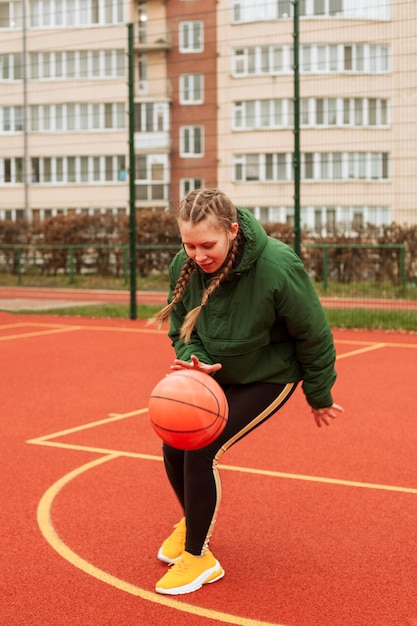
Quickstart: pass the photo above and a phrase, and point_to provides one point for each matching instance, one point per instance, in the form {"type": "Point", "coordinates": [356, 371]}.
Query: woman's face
{"type": "Point", "coordinates": [207, 243]}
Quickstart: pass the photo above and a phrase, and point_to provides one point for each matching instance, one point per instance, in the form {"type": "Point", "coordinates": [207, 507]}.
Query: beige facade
{"type": "Point", "coordinates": [345, 65]}
{"type": "Point", "coordinates": [358, 90]}
{"type": "Point", "coordinates": [70, 98]}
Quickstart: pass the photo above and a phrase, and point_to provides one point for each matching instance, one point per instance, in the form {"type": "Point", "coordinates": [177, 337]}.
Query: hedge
{"type": "Point", "coordinates": [100, 244]}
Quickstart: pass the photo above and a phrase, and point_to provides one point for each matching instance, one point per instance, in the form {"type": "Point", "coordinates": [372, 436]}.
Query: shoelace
{"type": "Point", "coordinates": [180, 567]}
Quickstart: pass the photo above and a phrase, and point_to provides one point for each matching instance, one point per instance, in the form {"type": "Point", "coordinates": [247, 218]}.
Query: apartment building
{"type": "Point", "coordinates": [63, 101]}
{"type": "Point", "coordinates": [214, 106]}
{"type": "Point", "coordinates": [192, 71]}
{"type": "Point", "coordinates": [345, 65]}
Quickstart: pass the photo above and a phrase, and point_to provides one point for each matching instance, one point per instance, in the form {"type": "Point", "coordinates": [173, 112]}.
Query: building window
{"type": "Point", "coordinates": [325, 220]}
{"type": "Point", "coordinates": [262, 10]}
{"type": "Point", "coordinates": [142, 74]}
{"type": "Point", "coordinates": [142, 33]}
{"type": "Point", "coordinates": [11, 119]}
{"type": "Point", "coordinates": [248, 167]}
{"type": "Point", "coordinates": [151, 178]}
{"type": "Point", "coordinates": [10, 67]}
{"type": "Point", "coordinates": [77, 64]}
{"type": "Point", "coordinates": [314, 59]}
{"type": "Point", "coordinates": [76, 169]}
{"type": "Point", "coordinates": [250, 11]}
{"type": "Point", "coordinates": [191, 141]}
{"type": "Point", "coordinates": [7, 170]}
{"type": "Point", "coordinates": [339, 112]}
{"type": "Point", "coordinates": [191, 38]}
{"type": "Point", "coordinates": [69, 13]}
{"type": "Point", "coordinates": [190, 184]}
{"type": "Point", "coordinates": [263, 114]}
{"type": "Point", "coordinates": [281, 215]}
{"type": "Point", "coordinates": [315, 166]}
{"type": "Point", "coordinates": [191, 89]}
{"type": "Point", "coordinates": [151, 117]}
{"type": "Point", "coordinates": [11, 14]}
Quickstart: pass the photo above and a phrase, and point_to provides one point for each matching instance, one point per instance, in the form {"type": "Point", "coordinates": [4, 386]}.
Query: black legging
{"type": "Point", "coordinates": [193, 474]}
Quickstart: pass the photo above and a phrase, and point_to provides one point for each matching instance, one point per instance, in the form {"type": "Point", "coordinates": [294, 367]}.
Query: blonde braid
{"type": "Point", "coordinates": [192, 316]}
{"type": "Point", "coordinates": [182, 282]}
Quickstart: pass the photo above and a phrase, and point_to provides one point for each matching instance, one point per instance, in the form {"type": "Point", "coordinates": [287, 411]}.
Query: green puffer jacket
{"type": "Point", "coordinates": [263, 323]}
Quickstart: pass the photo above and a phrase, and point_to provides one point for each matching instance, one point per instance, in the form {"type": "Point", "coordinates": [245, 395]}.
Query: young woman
{"type": "Point", "coordinates": [242, 309]}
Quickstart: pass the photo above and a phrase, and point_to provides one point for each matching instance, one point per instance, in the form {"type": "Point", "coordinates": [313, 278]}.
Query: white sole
{"type": "Point", "coordinates": [166, 559]}
{"type": "Point", "coordinates": [195, 584]}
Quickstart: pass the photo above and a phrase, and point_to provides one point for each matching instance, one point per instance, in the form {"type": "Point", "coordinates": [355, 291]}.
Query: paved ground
{"type": "Point", "coordinates": [317, 527]}
{"type": "Point", "coordinates": [39, 299]}
{"type": "Point", "coordinates": [30, 304]}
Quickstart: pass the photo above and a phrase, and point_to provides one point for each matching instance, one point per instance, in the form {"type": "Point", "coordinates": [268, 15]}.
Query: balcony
{"type": "Point", "coordinates": [148, 39]}
{"type": "Point", "coordinates": [158, 44]}
{"type": "Point", "coordinates": [155, 141]}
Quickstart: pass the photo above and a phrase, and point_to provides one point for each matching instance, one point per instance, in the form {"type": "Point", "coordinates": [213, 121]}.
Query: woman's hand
{"type": "Point", "coordinates": [195, 364]}
{"type": "Point", "coordinates": [325, 416]}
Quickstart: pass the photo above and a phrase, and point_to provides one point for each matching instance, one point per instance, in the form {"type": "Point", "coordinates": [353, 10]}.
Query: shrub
{"type": "Point", "coordinates": [100, 243]}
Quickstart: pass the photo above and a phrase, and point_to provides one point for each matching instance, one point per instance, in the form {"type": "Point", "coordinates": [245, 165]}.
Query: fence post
{"type": "Point", "coordinates": [325, 266]}
{"type": "Point", "coordinates": [125, 264]}
{"type": "Point", "coordinates": [19, 266]}
{"type": "Point", "coordinates": [402, 267]}
{"type": "Point", "coordinates": [71, 264]}
{"type": "Point", "coordinates": [132, 191]}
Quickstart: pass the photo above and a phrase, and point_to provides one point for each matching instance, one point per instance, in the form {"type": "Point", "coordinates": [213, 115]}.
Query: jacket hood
{"type": "Point", "coordinates": [255, 239]}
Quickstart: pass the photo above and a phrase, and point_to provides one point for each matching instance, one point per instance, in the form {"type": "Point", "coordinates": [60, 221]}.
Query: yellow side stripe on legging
{"type": "Point", "coordinates": [274, 406]}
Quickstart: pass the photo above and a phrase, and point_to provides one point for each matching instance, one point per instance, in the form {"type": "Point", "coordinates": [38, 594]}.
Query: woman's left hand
{"type": "Point", "coordinates": [325, 416]}
{"type": "Point", "coordinates": [196, 364]}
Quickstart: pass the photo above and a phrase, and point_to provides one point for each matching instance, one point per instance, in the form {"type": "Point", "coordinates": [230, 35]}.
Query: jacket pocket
{"type": "Point", "coordinates": [238, 357]}
{"type": "Point", "coordinates": [236, 347]}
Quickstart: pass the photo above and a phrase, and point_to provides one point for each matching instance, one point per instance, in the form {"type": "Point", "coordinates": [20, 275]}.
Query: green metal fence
{"type": "Point", "coordinates": [361, 285]}
{"type": "Point", "coordinates": [72, 260]}
{"type": "Point", "coordinates": [326, 262]}
{"type": "Point", "coordinates": [400, 275]}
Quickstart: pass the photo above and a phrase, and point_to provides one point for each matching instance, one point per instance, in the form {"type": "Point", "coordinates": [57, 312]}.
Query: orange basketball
{"type": "Point", "coordinates": [188, 409]}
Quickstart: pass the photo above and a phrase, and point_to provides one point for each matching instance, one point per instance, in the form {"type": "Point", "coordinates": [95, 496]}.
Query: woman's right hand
{"type": "Point", "coordinates": [196, 364]}
{"type": "Point", "coordinates": [326, 415]}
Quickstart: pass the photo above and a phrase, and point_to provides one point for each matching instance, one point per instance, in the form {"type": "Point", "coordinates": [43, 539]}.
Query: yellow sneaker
{"type": "Point", "coordinates": [189, 574]}
{"type": "Point", "coordinates": [173, 547]}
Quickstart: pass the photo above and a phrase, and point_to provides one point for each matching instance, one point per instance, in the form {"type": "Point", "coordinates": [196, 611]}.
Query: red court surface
{"type": "Point", "coordinates": [317, 527]}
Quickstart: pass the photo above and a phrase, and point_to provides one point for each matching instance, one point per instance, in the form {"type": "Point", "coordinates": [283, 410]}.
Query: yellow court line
{"type": "Point", "coordinates": [30, 323]}
{"type": "Point", "coordinates": [94, 450]}
{"type": "Point", "coordinates": [374, 346]}
{"type": "Point", "coordinates": [233, 468]}
{"type": "Point", "coordinates": [56, 328]}
{"type": "Point", "coordinates": [164, 331]}
{"type": "Point", "coordinates": [388, 344]}
{"type": "Point", "coordinates": [320, 479]}
{"type": "Point", "coordinates": [52, 537]}
{"type": "Point", "coordinates": [45, 440]}
{"type": "Point", "coordinates": [45, 505]}
{"type": "Point", "coordinates": [113, 417]}
{"type": "Point", "coordinates": [122, 329]}
{"type": "Point", "coordinates": [39, 333]}
{"type": "Point", "coordinates": [146, 331]}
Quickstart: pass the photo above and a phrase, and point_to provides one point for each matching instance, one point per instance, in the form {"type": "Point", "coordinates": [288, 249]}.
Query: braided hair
{"type": "Point", "coordinates": [195, 207]}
